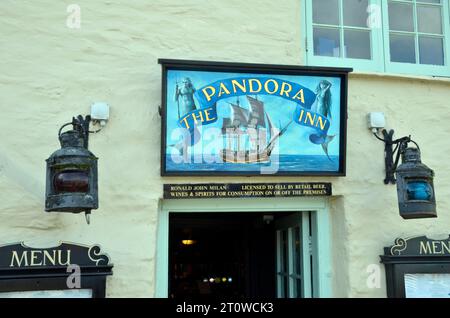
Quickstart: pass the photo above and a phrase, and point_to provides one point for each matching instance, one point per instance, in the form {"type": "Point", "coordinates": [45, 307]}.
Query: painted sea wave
{"type": "Point", "coordinates": [285, 163]}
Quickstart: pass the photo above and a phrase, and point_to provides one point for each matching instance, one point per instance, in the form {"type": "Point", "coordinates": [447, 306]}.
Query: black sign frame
{"type": "Point", "coordinates": [19, 273]}
{"type": "Point", "coordinates": [226, 67]}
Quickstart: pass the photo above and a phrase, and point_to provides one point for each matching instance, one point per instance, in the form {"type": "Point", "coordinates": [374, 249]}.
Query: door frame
{"type": "Point", "coordinates": [319, 206]}
{"type": "Point", "coordinates": [288, 223]}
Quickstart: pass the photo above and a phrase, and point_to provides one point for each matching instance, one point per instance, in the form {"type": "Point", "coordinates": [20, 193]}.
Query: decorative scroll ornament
{"type": "Point", "coordinates": [400, 245]}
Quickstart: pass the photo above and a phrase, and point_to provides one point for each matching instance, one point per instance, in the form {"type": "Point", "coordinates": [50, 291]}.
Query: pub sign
{"type": "Point", "coordinates": [250, 119]}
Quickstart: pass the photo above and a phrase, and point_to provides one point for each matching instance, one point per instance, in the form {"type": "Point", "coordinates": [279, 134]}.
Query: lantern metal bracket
{"type": "Point", "coordinates": [389, 152]}
{"type": "Point", "coordinates": [82, 125]}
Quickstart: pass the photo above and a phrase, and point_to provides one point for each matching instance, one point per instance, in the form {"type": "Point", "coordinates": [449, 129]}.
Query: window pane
{"type": "Point", "coordinates": [286, 287]}
{"type": "Point", "coordinates": [431, 1]}
{"type": "Point", "coordinates": [282, 286]}
{"type": "Point", "coordinates": [401, 17]}
{"type": "Point", "coordinates": [297, 251]}
{"type": "Point", "coordinates": [357, 44]}
{"type": "Point", "coordinates": [284, 249]}
{"type": "Point", "coordinates": [326, 12]}
{"type": "Point", "coordinates": [298, 288]}
{"type": "Point", "coordinates": [429, 19]}
{"type": "Point", "coordinates": [355, 12]}
{"type": "Point", "coordinates": [431, 50]}
{"type": "Point", "coordinates": [326, 42]}
{"type": "Point", "coordinates": [402, 48]}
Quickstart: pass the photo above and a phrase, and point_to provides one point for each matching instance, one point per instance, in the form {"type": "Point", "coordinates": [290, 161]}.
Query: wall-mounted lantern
{"type": "Point", "coordinates": [415, 189]}
{"type": "Point", "coordinates": [71, 183]}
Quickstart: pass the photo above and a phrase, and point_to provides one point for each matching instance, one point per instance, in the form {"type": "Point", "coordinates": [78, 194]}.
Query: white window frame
{"type": "Point", "coordinates": [380, 44]}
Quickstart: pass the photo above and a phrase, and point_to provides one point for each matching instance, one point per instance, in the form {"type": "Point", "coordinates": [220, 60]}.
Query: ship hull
{"type": "Point", "coordinates": [231, 156]}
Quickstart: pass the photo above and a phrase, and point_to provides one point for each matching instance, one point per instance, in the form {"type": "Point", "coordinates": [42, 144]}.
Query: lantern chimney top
{"type": "Point", "coordinates": [411, 155]}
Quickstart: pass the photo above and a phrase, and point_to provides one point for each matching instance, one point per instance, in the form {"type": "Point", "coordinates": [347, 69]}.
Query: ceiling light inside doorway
{"type": "Point", "coordinates": [188, 242]}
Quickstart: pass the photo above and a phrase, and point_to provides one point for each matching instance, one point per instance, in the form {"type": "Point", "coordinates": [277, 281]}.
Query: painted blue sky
{"type": "Point", "coordinates": [295, 141]}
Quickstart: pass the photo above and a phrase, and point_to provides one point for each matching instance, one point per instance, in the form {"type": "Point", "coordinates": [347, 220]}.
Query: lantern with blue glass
{"type": "Point", "coordinates": [415, 188]}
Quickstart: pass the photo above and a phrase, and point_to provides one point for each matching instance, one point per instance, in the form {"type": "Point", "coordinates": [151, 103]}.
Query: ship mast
{"type": "Point", "coordinates": [271, 144]}
{"type": "Point", "coordinates": [257, 120]}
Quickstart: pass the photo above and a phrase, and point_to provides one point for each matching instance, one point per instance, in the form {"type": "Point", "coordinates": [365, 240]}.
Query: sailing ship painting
{"type": "Point", "coordinates": [253, 124]}
{"type": "Point", "coordinates": [235, 123]}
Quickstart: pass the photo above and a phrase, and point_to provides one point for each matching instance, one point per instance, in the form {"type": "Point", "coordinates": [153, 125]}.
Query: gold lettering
{"type": "Point", "coordinates": [47, 256]}
{"type": "Point", "coordinates": [34, 256]}
{"type": "Point", "coordinates": [284, 91]}
{"type": "Point", "coordinates": [200, 116]}
{"type": "Point", "coordinates": [181, 188]}
{"type": "Point", "coordinates": [67, 262]}
{"type": "Point", "coordinates": [300, 96]}
{"type": "Point", "coordinates": [446, 247]}
{"type": "Point", "coordinates": [320, 121]}
{"type": "Point", "coordinates": [205, 92]}
{"type": "Point", "coordinates": [241, 86]}
{"type": "Point", "coordinates": [185, 122]}
{"type": "Point", "coordinates": [275, 86]}
{"type": "Point", "coordinates": [15, 257]}
{"type": "Point", "coordinates": [301, 115]}
{"type": "Point", "coordinates": [425, 248]}
{"type": "Point", "coordinates": [250, 83]}
{"type": "Point", "coordinates": [435, 248]}
{"type": "Point", "coordinates": [207, 115]}
{"type": "Point", "coordinates": [311, 119]}
{"type": "Point", "coordinates": [223, 89]}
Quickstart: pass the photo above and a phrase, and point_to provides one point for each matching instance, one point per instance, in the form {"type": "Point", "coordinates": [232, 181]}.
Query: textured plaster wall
{"type": "Point", "coordinates": [49, 73]}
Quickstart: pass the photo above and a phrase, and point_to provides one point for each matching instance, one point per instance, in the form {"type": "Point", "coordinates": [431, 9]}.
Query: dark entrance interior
{"type": "Point", "coordinates": [222, 255]}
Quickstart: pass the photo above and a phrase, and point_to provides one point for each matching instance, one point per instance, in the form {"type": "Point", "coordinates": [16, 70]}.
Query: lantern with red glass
{"type": "Point", "coordinates": [71, 184]}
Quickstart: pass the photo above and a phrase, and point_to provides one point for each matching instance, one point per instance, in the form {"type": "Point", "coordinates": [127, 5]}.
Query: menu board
{"type": "Point", "coordinates": [65, 293]}
{"type": "Point", "coordinates": [427, 285]}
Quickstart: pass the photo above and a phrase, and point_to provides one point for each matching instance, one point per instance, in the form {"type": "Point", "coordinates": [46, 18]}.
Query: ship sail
{"type": "Point", "coordinates": [240, 116]}
{"type": "Point", "coordinates": [226, 124]}
{"type": "Point", "coordinates": [239, 124]}
{"type": "Point", "coordinates": [256, 117]}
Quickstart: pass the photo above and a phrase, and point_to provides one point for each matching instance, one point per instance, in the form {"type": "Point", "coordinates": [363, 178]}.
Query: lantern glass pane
{"type": "Point", "coordinates": [71, 181]}
{"type": "Point", "coordinates": [419, 190]}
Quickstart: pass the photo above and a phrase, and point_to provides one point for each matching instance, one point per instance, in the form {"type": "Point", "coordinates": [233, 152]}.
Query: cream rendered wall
{"type": "Point", "coordinates": [50, 73]}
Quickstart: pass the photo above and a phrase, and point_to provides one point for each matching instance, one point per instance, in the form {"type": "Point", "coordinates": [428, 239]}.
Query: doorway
{"type": "Point", "coordinates": [239, 255]}
{"type": "Point", "coordinates": [230, 231]}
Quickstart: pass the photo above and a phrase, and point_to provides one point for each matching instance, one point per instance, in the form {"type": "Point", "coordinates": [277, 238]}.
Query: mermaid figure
{"type": "Point", "coordinates": [184, 96]}
{"type": "Point", "coordinates": [322, 106]}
